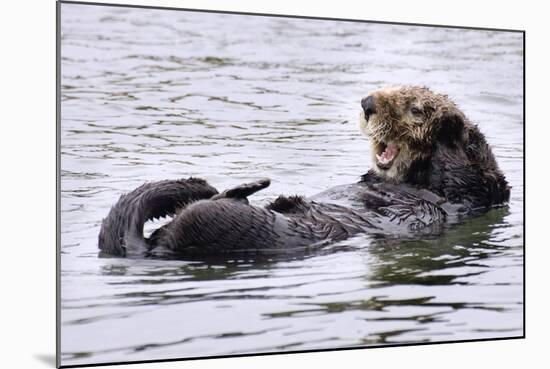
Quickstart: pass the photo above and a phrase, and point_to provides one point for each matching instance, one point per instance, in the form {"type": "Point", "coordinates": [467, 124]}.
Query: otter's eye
{"type": "Point", "coordinates": [416, 111]}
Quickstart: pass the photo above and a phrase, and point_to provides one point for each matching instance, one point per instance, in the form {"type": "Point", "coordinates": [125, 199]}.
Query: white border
{"type": "Point", "coordinates": [28, 182]}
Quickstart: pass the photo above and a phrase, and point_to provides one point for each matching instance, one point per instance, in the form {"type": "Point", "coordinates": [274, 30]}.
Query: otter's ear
{"type": "Point", "coordinates": [449, 128]}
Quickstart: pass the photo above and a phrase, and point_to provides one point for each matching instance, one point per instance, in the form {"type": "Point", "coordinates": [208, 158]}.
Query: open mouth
{"type": "Point", "coordinates": [386, 154]}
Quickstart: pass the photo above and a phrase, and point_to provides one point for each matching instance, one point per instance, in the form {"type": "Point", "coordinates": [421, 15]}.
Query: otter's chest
{"type": "Point", "coordinates": [348, 195]}
{"type": "Point", "coordinates": [371, 196]}
{"type": "Point", "coordinates": [393, 206]}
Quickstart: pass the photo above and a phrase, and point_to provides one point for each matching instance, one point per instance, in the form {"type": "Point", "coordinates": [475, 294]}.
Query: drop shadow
{"type": "Point", "coordinates": [47, 359]}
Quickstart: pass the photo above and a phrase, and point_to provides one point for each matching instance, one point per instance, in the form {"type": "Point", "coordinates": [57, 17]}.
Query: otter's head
{"type": "Point", "coordinates": [404, 124]}
{"type": "Point", "coordinates": [422, 138]}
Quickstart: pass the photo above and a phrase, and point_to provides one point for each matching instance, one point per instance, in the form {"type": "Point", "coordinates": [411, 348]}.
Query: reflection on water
{"type": "Point", "coordinates": [150, 95]}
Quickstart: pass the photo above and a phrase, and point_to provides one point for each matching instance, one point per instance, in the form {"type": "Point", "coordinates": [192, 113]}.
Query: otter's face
{"type": "Point", "coordinates": [403, 124]}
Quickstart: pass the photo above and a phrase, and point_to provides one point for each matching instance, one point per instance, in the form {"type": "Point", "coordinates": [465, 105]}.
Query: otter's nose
{"type": "Point", "coordinates": [368, 106]}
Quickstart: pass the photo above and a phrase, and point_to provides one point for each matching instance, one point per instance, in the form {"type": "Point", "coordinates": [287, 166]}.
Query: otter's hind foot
{"type": "Point", "coordinates": [244, 190]}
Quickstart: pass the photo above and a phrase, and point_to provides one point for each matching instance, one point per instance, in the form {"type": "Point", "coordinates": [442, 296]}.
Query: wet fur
{"type": "Point", "coordinates": [441, 149]}
{"type": "Point", "coordinates": [445, 167]}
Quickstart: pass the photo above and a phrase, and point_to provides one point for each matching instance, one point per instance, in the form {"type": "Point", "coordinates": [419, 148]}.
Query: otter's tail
{"type": "Point", "coordinates": [121, 231]}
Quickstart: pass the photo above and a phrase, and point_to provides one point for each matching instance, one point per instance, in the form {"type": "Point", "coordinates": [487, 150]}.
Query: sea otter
{"type": "Point", "coordinates": [431, 166]}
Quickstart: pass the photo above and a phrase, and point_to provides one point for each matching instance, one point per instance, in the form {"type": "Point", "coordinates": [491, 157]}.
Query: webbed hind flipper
{"type": "Point", "coordinates": [121, 232]}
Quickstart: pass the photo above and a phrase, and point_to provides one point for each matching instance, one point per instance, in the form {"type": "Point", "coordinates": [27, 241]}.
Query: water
{"type": "Point", "coordinates": [151, 94]}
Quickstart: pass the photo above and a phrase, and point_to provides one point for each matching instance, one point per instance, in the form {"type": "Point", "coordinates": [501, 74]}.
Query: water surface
{"type": "Point", "coordinates": [152, 94]}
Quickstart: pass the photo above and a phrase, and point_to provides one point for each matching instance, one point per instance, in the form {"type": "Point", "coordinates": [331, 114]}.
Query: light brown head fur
{"type": "Point", "coordinates": [411, 118]}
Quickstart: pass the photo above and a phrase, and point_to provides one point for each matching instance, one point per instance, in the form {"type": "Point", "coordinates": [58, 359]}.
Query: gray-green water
{"type": "Point", "coordinates": [150, 94]}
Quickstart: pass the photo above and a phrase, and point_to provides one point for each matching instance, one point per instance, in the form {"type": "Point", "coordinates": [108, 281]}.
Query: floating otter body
{"type": "Point", "coordinates": [431, 167]}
